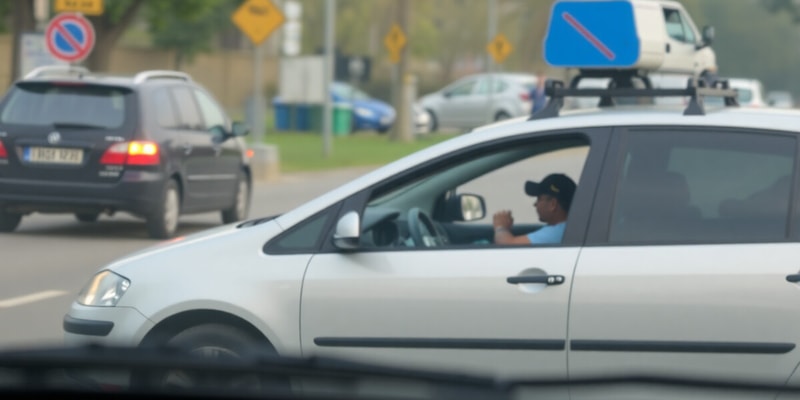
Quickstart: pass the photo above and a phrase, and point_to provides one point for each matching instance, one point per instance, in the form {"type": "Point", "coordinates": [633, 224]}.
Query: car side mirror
{"type": "Point", "coordinates": [708, 35]}
{"type": "Point", "coordinates": [464, 207]}
{"type": "Point", "coordinates": [240, 129]}
{"type": "Point", "coordinates": [348, 231]}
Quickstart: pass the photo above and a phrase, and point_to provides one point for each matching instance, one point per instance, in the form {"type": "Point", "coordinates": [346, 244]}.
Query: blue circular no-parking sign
{"type": "Point", "coordinates": [70, 37]}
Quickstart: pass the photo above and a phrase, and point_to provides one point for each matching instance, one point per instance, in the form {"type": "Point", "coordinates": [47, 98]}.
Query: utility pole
{"type": "Point", "coordinates": [327, 117]}
{"type": "Point", "coordinates": [492, 31]}
{"type": "Point", "coordinates": [402, 124]}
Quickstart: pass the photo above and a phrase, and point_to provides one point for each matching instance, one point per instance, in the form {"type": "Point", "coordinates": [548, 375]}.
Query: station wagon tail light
{"type": "Point", "coordinates": [524, 96]}
{"type": "Point", "coordinates": [132, 153]}
{"type": "Point", "coordinates": [3, 152]}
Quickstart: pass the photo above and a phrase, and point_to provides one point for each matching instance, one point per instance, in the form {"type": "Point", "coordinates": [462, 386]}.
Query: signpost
{"type": "Point", "coordinates": [69, 37]}
{"type": "Point", "coordinates": [87, 7]}
{"type": "Point", "coordinates": [258, 19]}
{"type": "Point", "coordinates": [394, 41]}
{"type": "Point", "coordinates": [499, 48]}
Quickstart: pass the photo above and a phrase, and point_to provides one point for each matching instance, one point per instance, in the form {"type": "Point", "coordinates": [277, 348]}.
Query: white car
{"type": "Point", "coordinates": [750, 92]}
{"type": "Point", "coordinates": [467, 103]}
{"type": "Point", "coordinates": [679, 258]}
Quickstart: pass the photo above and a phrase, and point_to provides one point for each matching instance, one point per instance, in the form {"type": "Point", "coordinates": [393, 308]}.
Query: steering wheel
{"type": "Point", "coordinates": [422, 230]}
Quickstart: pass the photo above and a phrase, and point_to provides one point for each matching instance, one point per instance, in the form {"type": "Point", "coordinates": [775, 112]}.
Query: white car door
{"type": "Point", "coordinates": [692, 269]}
{"type": "Point", "coordinates": [456, 102]}
{"type": "Point", "coordinates": [464, 304]}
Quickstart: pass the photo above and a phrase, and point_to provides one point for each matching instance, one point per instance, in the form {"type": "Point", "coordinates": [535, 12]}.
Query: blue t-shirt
{"type": "Point", "coordinates": [548, 234]}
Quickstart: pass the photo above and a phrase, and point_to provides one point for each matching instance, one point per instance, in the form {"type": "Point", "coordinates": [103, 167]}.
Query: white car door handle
{"type": "Point", "coordinates": [546, 279]}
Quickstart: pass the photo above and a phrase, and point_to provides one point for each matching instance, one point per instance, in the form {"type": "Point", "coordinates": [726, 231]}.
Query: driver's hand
{"type": "Point", "coordinates": [503, 219]}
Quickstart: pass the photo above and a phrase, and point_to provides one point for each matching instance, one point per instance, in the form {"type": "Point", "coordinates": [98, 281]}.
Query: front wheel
{"type": "Point", "coordinates": [9, 221]}
{"type": "Point", "coordinates": [87, 217]}
{"type": "Point", "coordinates": [218, 342]}
{"type": "Point", "coordinates": [241, 205]}
{"type": "Point", "coordinates": [501, 116]}
{"type": "Point", "coordinates": [162, 223]}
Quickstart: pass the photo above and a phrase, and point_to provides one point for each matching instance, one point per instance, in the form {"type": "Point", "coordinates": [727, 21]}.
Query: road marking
{"type": "Point", "coordinates": [31, 298]}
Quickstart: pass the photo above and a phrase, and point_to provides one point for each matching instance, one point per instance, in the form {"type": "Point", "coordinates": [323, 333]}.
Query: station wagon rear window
{"type": "Point", "coordinates": [78, 105]}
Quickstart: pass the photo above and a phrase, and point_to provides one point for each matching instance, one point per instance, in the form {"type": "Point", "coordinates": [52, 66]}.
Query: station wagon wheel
{"type": "Point", "coordinates": [241, 203]}
{"type": "Point", "coordinates": [162, 222]}
{"type": "Point", "coordinates": [9, 221]}
{"type": "Point", "coordinates": [501, 116]}
{"type": "Point", "coordinates": [87, 217]}
{"type": "Point", "coordinates": [219, 342]}
{"type": "Point", "coordinates": [432, 122]}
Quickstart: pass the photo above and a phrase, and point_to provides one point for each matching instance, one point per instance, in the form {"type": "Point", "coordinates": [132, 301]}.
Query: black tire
{"type": "Point", "coordinates": [162, 222]}
{"type": "Point", "coordinates": [241, 203]}
{"type": "Point", "coordinates": [215, 341]}
{"type": "Point", "coordinates": [433, 123]}
{"type": "Point", "coordinates": [87, 217]}
{"type": "Point", "coordinates": [501, 115]}
{"type": "Point", "coordinates": [8, 221]}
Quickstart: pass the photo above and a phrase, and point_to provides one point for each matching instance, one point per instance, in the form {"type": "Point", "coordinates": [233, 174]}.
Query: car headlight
{"type": "Point", "coordinates": [104, 290]}
{"type": "Point", "coordinates": [365, 113]}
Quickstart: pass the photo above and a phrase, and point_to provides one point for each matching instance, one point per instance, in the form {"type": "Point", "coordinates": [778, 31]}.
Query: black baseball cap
{"type": "Point", "coordinates": [560, 186]}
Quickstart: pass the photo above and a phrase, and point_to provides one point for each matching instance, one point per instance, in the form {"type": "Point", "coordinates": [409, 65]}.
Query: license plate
{"type": "Point", "coordinates": [53, 155]}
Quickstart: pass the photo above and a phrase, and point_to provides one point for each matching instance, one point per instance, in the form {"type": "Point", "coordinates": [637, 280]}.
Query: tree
{"type": "Point", "coordinates": [120, 14]}
{"type": "Point", "coordinates": [191, 30]}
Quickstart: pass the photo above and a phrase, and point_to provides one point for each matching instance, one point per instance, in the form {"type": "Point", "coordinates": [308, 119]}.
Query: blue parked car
{"type": "Point", "coordinates": [368, 113]}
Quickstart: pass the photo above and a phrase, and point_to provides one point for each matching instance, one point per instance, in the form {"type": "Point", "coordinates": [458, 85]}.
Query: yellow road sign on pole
{"type": "Point", "coordinates": [88, 7]}
{"type": "Point", "coordinates": [394, 41]}
{"type": "Point", "coordinates": [258, 19]}
{"type": "Point", "coordinates": [499, 48]}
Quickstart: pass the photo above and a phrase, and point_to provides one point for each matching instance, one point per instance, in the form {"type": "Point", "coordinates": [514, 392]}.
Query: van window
{"type": "Point", "coordinates": [677, 27]}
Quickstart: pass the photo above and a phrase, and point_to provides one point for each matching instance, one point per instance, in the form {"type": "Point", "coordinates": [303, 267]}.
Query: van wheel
{"type": "Point", "coordinates": [216, 342]}
{"type": "Point", "coordinates": [162, 223]}
{"type": "Point", "coordinates": [9, 221]}
{"type": "Point", "coordinates": [241, 204]}
{"type": "Point", "coordinates": [87, 217]}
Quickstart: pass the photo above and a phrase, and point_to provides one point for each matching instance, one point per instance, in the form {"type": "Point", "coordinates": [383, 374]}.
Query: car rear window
{"type": "Point", "coordinates": [66, 104]}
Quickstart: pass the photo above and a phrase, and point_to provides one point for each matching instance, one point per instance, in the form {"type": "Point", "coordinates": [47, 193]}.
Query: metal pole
{"type": "Point", "coordinates": [327, 118]}
{"type": "Point", "coordinates": [492, 31]}
{"type": "Point", "coordinates": [258, 95]}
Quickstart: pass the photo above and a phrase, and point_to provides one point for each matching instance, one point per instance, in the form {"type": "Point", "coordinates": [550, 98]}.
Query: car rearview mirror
{"type": "Point", "coordinates": [708, 35]}
{"type": "Point", "coordinates": [464, 207]}
{"type": "Point", "coordinates": [348, 231]}
{"type": "Point", "coordinates": [472, 207]}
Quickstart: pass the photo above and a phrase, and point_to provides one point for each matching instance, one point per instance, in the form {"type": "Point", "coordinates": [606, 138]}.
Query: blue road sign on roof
{"type": "Point", "coordinates": [592, 34]}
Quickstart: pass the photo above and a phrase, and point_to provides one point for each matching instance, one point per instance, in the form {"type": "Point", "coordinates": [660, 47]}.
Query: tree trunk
{"type": "Point", "coordinates": [23, 21]}
{"type": "Point", "coordinates": [107, 33]}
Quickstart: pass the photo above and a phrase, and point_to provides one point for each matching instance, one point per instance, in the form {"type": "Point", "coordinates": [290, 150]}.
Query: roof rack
{"type": "Point", "coordinates": [160, 74]}
{"type": "Point", "coordinates": [622, 85]}
{"type": "Point", "coordinates": [45, 70]}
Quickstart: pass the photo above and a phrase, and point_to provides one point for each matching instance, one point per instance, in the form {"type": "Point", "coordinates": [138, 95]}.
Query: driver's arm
{"type": "Point", "coordinates": [503, 235]}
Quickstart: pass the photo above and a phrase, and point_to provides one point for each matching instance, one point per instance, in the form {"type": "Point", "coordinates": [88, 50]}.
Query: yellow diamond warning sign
{"type": "Point", "coordinates": [499, 48]}
{"type": "Point", "coordinates": [258, 19]}
{"type": "Point", "coordinates": [394, 41]}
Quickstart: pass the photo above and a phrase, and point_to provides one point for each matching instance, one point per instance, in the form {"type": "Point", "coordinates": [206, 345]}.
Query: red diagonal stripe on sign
{"type": "Point", "coordinates": [588, 35]}
{"type": "Point", "coordinates": [68, 37]}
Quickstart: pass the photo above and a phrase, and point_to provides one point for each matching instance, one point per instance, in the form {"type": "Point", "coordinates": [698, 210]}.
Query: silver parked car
{"type": "Point", "coordinates": [465, 104]}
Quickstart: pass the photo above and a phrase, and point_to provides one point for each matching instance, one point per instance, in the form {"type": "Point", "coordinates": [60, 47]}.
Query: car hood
{"type": "Point", "coordinates": [375, 106]}
{"type": "Point", "coordinates": [212, 242]}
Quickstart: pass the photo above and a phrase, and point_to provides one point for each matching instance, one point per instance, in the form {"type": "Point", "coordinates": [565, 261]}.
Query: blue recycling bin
{"type": "Point", "coordinates": [302, 117]}
{"type": "Point", "coordinates": [283, 115]}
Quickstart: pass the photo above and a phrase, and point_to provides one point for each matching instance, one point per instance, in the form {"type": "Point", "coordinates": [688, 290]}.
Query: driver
{"type": "Point", "coordinates": [553, 198]}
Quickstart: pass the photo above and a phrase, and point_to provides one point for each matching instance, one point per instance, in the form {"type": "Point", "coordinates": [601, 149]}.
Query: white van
{"type": "Point", "coordinates": [649, 35]}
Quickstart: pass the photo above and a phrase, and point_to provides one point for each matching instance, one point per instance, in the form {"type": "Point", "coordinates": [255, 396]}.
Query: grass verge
{"type": "Point", "coordinates": [303, 151]}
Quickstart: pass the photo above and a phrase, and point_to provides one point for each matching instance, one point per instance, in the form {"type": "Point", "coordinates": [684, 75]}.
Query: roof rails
{"type": "Point", "coordinates": [160, 74]}
{"type": "Point", "coordinates": [46, 70]}
{"type": "Point", "coordinates": [622, 85]}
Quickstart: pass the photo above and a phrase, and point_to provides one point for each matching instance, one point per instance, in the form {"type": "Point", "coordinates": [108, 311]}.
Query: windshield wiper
{"type": "Point", "coordinates": [257, 221]}
{"type": "Point", "coordinates": [62, 125]}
